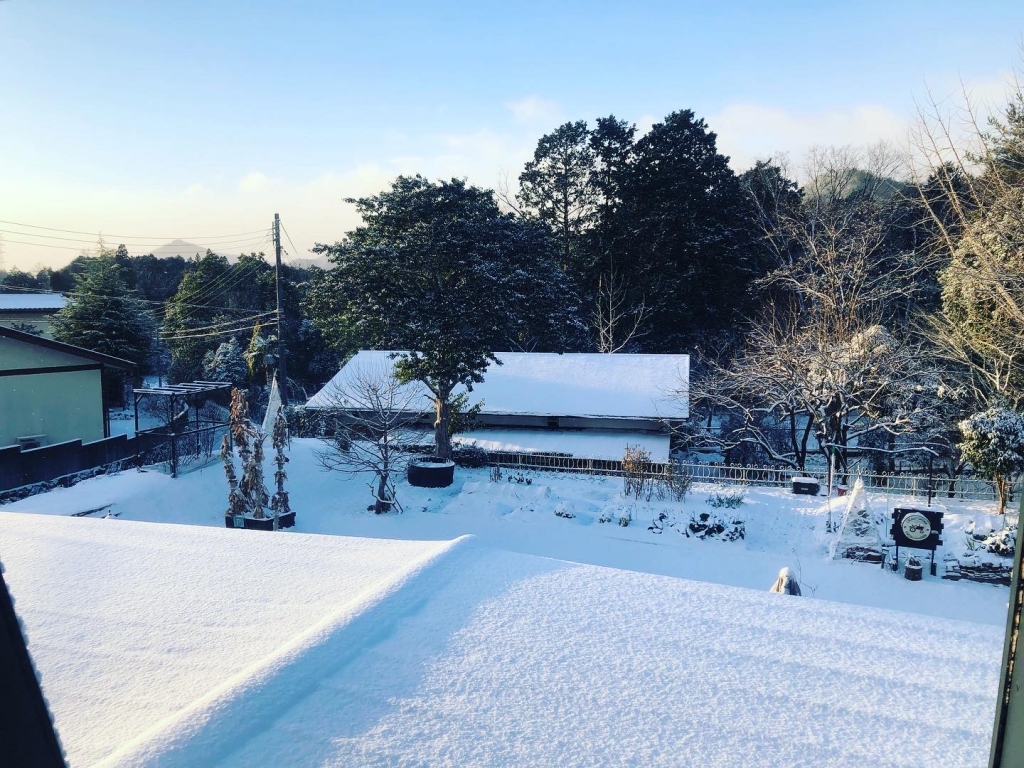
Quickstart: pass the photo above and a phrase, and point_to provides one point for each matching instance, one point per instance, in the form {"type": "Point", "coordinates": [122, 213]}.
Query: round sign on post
{"type": "Point", "coordinates": [916, 528]}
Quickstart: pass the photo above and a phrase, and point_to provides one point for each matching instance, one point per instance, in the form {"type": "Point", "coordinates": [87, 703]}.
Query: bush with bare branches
{"type": "Point", "coordinates": [375, 418]}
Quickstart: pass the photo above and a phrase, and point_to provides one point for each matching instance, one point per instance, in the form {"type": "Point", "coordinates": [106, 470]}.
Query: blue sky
{"type": "Point", "coordinates": [200, 118]}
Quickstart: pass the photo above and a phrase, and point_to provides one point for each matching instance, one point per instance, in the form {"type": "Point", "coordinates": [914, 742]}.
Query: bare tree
{"type": "Point", "coordinates": [969, 173]}
{"type": "Point", "coordinates": [821, 371]}
{"type": "Point", "coordinates": [375, 424]}
{"type": "Point", "coordinates": [617, 320]}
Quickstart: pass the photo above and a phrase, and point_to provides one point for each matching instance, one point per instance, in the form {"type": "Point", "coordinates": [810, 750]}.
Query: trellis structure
{"type": "Point", "coordinates": [182, 439]}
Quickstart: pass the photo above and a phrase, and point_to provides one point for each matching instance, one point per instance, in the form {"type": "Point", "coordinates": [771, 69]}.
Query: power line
{"type": "Point", "coordinates": [216, 326]}
{"type": "Point", "coordinates": [133, 237]}
{"type": "Point", "coordinates": [296, 250]}
{"type": "Point", "coordinates": [81, 248]}
{"type": "Point", "coordinates": [225, 332]}
{"type": "Point", "coordinates": [95, 241]}
{"type": "Point", "coordinates": [161, 304]}
{"type": "Point", "coordinates": [221, 283]}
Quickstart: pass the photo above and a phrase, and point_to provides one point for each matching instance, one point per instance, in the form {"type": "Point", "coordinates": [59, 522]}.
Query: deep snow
{"type": "Point", "coordinates": [185, 645]}
{"type": "Point", "coordinates": [782, 529]}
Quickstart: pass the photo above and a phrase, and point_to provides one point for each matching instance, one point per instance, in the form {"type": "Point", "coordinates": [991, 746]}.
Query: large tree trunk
{"type": "Point", "coordinates": [441, 440]}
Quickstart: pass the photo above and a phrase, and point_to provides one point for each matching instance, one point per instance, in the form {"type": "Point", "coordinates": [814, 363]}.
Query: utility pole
{"type": "Point", "coordinates": [282, 368]}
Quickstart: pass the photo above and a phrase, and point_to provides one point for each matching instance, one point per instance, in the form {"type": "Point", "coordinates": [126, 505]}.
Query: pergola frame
{"type": "Point", "coordinates": [186, 391]}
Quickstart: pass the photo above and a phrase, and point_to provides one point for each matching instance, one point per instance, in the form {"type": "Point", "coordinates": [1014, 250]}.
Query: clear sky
{"type": "Point", "coordinates": [195, 118]}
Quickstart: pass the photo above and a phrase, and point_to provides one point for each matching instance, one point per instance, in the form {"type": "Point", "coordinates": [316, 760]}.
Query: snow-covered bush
{"type": "Point", "coordinates": [469, 456]}
{"type": "Point", "coordinates": [1002, 542]}
{"type": "Point", "coordinates": [726, 499]}
{"type": "Point", "coordinates": [564, 510]}
{"type": "Point", "coordinates": [673, 484]}
{"type": "Point", "coordinates": [993, 443]}
{"type": "Point", "coordinates": [706, 526]}
{"type": "Point", "coordinates": [638, 479]}
{"type": "Point", "coordinates": [249, 497]}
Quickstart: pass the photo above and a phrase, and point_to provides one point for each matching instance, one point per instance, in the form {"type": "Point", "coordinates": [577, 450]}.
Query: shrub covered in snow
{"type": "Point", "coordinates": [726, 499]}
{"type": "Point", "coordinates": [993, 443]}
{"type": "Point", "coordinates": [564, 510]}
{"type": "Point", "coordinates": [469, 456]}
{"type": "Point", "coordinates": [706, 526]}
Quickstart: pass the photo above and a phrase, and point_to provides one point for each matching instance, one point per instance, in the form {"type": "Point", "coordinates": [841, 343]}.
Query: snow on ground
{"type": "Point", "coordinates": [182, 646]}
{"type": "Point", "coordinates": [782, 529]}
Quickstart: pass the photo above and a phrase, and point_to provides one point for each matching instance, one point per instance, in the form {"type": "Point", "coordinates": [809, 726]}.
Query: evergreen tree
{"type": "Point", "coordinates": [556, 187]}
{"type": "Point", "coordinates": [685, 242]}
{"type": "Point", "coordinates": [993, 443]}
{"type": "Point", "coordinates": [440, 271]}
{"type": "Point", "coordinates": [226, 363]}
{"type": "Point", "coordinates": [105, 316]}
{"type": "Point", "coordinates": [196, 309]}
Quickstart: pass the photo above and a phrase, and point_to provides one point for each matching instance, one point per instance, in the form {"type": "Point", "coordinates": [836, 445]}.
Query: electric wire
{"type": "Point", "coordinates": [215, 334]}
{"type": "Point", "coordinates": [121, 296]}
{"type": "Point", "coordinates": [223, 283]}
{"type": "Point", "coordinates": [294, 249]}
{"type": "Point", "coordinates": [93, 241]}
{"type": "Point", "coordinates": [232, 321]}
{"type": "Point", "coordinates": [133, 237]}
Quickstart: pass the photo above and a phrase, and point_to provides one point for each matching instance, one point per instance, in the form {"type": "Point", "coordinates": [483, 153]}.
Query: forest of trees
{"type": "Point", "coordinates": [860, 302]}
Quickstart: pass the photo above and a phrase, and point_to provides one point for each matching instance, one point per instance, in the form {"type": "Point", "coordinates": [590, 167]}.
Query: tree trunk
{"type": "Point", "coordinates": [383, 503]}
{"type": "Point", "coordinates": [1001, 488]}
{"type": "Point", "coordinates": [442, 442]}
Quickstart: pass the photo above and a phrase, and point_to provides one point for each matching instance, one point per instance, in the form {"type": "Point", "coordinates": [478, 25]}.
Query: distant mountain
{"type": "Point", "coordinates": [178, 248]}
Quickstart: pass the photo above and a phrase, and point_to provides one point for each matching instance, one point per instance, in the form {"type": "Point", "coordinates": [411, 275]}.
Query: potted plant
{"type": "Point", "coordinates": [431, 472]}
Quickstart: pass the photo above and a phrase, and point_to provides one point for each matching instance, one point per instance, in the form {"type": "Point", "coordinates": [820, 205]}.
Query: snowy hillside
{"type": "Point", "coordinates": [191, 645]}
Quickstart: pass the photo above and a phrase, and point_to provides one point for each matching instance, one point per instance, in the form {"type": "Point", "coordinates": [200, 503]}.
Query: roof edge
{"type": "Point", "coordinates": [69, 349]}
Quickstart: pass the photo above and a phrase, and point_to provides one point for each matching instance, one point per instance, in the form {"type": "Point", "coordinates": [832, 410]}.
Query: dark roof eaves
{"type": "Point", "coordinates": [70, 349]}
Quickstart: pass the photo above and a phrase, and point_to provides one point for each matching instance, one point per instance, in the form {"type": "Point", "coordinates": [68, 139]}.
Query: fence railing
{"type": "Point", "coordinates": [182, 451]}
{"type": "Point", "coordinates": [731, 474]}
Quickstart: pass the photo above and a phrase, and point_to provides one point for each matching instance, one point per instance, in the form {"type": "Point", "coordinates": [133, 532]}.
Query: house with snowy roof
{"type": "Point", "coordinates": [30, 312]}
{"type": "Point", "coordinates": [584, 405]}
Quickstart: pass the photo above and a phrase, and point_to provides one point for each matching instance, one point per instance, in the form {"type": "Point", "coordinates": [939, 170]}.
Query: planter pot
{"type": "Point", "coordinates": [431, 473]}
{"type": "Point", "coordinates": [266, 524]}
{"type": "Point", "coordinates": [806, 485]}
{"type": "Point", "coordinates": [842, 490]}
{"type": "Point", "coordinates": [913, 572]}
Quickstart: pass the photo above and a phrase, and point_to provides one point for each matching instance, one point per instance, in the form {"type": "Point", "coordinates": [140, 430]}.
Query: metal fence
{"type": "Point", "coordinates": [732, 474]}
{"type": "Point", "coordinates": [181, 452]}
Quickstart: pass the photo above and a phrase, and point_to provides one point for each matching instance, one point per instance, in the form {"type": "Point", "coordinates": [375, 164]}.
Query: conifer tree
{"type": "Point", "coordinates": [105, 316]}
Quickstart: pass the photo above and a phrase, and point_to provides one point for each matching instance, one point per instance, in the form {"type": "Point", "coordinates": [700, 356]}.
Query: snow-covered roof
{"type": "Point", "coordinates": [549, 384]}
{"type": "Point", "coordinates": [24, 302]}
{"type": "Point", "coordinates": [587, 444]}
{"type": "Point", "coordinates": [297, 649]}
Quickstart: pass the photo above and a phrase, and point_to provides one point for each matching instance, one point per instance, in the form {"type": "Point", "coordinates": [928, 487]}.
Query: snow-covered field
{"type": "Point", "coordinates": [541, 640]}
{"type": "Point", "coordinates": [185, 646]}
{"type": "Point", "coordinates": [781, 529]}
